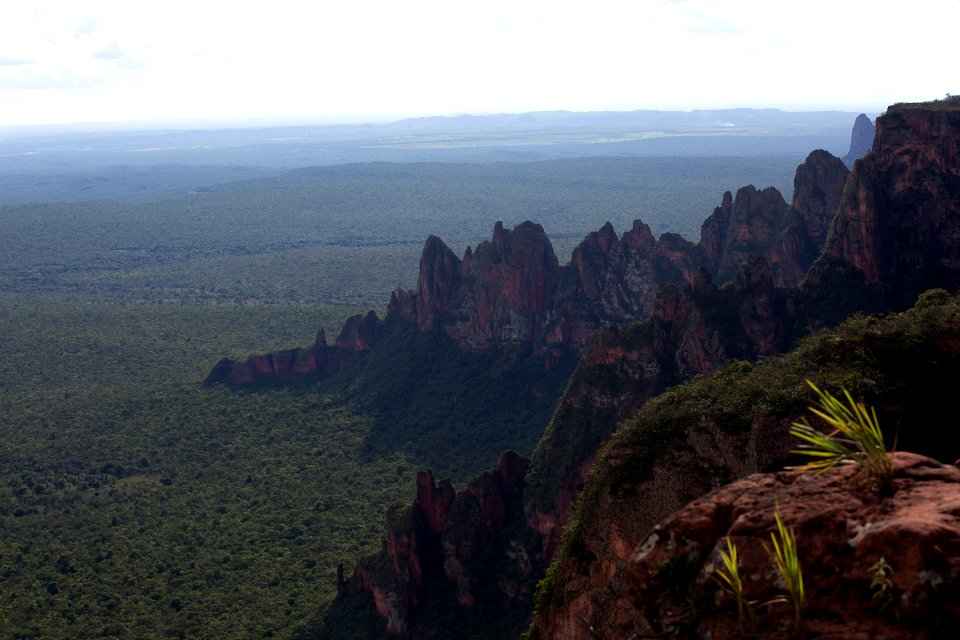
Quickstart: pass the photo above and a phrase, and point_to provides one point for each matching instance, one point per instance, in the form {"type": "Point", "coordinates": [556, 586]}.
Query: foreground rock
{"type": "Point", "coordinates": [845, 535]}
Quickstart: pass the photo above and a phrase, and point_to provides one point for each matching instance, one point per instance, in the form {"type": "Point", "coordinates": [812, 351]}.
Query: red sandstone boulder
{"type": "Point", "coordinates": [843, 529]}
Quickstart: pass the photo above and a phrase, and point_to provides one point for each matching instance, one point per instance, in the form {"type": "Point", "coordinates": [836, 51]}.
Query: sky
{"type": "Point", "coordinates": [65, 61]}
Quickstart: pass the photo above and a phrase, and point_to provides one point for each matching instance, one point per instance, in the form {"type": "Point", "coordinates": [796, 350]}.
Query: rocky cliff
{"type": "Point", "coordinates": [511, 292]}
{"type": "Point", "coordinates": [693, 329]}
{"type": "Point", "coordinates": [897, 230]}
{"type": "Point", "coordinates": [861, 139]}
{"type": "Point", "coordinates": [817, 189]}
{"type": "Point", "coordinates": [905, 210]}
{"type": "Point", "coordinates": [498, 295]}
{"type": "Point", "coordinates": [702, 435]}
{"type": "Point", "coordinates": [447, 561]}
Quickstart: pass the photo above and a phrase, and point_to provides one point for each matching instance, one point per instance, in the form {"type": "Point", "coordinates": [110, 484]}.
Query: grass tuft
{"type": "Point", "coordinates": [730, 581]}
{"type": "Point", "coordinates": [784, 553]}
{"type": "Point", "coordinates": [855, 437]}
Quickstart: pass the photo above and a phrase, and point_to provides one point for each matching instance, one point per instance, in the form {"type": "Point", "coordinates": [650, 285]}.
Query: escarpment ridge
{"type": "Point", "coordinates": [511, 292]}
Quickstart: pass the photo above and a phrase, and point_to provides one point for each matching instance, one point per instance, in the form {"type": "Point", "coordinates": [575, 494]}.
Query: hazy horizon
{"type": "Point", "coordinates": [289, 62]}
{"type": "Point", "coordinates": [358, 121]}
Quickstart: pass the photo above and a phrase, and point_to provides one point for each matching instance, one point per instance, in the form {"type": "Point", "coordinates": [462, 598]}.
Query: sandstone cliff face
{"type": "Point", "coordinates": [697, 325]}
{"type": "Point", "coordinates": [817, 188]}
{"type": "Point", "coordinates": [614, 280]}
{"type": "Point", "coordinates": [861, 139]}
{"type": "Point", "coordinates": [278, 367]}
{"type": "Point", "coordinates": [897, 230]}
{"type": "Point", "coordinates": [700, 436]}
{"type": "Point", "coordinates": [498, 295]}
{"type": "Point", "coordinates": [299, 365]}
{"type": "Point", "coordinates": [842, 531]}
{"type": "Point", "coordinates": [511, 291]}
{"type": "Point", "coordinates": [760, 223]}
{"type": "Point", "coordinates": [694, 330]}
{"type": "Point", "coordinates": [441, 555]}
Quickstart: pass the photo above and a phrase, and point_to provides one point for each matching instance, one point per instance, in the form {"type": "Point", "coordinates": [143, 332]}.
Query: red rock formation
{"type": "Point", "coordinates": [498, 295]}
{"type": "Point", "coordinates": [760, 223]}
{"type": "Point", "coordinates": [513, 279]}
{"type": "Point", "coordinates": [511, 290]}
{"type": "Point", "coordinates": [842, 531]}
{"type": "Point", "coordinates": [438, 281]}
{"type": "Point", "coordinates": [613, 281]}
{"type": "Point", "coordinates": [442, 547]}
{"type": "Point", "coordinates": [695, 328]}
{"type": "Point", "coordinates": [299, 365]}
{"type": "Point", "coordinates": [817, 188]}
{"type": "Point", "coordinates": [289, 366]}
{"type": "Point", "coordinates": [359, 332]}
{"type": "Point", "coordinates": [433, 502]}
{"type": "Point", "coordinates": [738, 228]}
{"type": "Point", "coordinates": [898, 225]}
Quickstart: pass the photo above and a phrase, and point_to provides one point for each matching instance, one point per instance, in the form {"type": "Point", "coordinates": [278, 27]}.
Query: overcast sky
{"type": "Point", "coordinates": [359, 60]}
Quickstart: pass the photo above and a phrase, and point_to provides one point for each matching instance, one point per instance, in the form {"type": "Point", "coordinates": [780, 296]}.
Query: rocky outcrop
{"type": "Point", "coordinates": [613, 280]}
{"type": "Point", "coordinates": [359, 333]}
{"type": "Point", "coordinates": [283, 367]}
{"type": "Point", "coordinates": [897, 230]}
{"type": "Point", "coordinates": [396, 578]}
{"type": "Point", "coordinates": [299, 366]}
{"type": "Point", "coordinates": [846, 536]}
{"type": "Point", "coordinates": [681, 445]}
{"type": "Point", "coordinates": [817, 188]}
{"type": "Point", "coordinates": [694, 330]}
{"type": "Point", "coordinates": [444, 554]}
{"type": "Point", "coordinates": [707, 433]}
{"type": "Point", "coordinates": [740, 227]}
{"type": "Point", "coordinates": [498, 295]}
{"type": "Point", "coordinates": [861, 139]}
{"type": "Point", "coordinates": [760, 223]}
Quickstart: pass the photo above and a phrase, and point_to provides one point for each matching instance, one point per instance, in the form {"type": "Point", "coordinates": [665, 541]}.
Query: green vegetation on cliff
{"type": "Point", "coordinates": [904, 364]}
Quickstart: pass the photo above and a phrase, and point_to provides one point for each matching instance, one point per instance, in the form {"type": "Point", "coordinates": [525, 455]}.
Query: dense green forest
{"type": "Point", "coordinates": [135, 504]}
